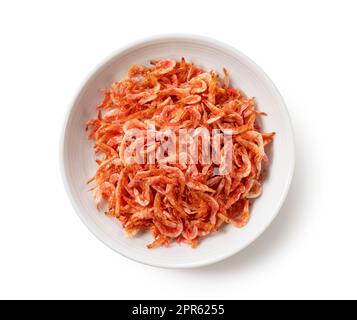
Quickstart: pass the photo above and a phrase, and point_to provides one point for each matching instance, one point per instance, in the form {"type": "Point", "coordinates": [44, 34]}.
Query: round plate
{"type": "Point", "coordinates": [78, 163]}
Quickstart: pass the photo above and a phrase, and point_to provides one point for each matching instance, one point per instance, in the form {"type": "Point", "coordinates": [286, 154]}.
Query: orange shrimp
{"type": "Point", "coordinates": [177, 201]}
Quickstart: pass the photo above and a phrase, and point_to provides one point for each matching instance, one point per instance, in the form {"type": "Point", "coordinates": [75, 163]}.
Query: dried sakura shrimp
{"type": "Point", "coordinates": [175, 201]}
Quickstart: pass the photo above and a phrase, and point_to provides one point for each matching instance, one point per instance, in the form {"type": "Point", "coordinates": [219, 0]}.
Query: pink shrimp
{"type": "Point", "coordinates": [164, 66]}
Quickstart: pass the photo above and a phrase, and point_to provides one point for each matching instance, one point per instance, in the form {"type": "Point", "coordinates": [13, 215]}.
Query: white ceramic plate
{"type": "Point", "coordinates": [78, 159]}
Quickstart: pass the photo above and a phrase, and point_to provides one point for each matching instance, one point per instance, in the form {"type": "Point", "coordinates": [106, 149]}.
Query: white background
{"type": "Point", "coordinates": [308, 48]}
